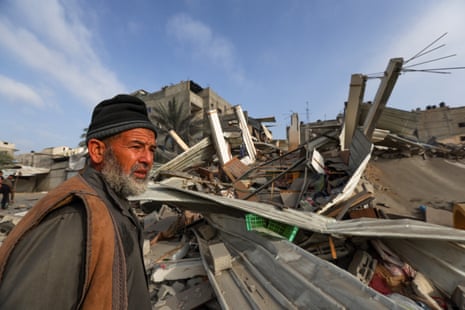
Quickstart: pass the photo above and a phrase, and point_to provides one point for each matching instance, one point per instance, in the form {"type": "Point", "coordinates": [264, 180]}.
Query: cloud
{"type": "Point", "coordinates": [434, 21]}
{"type": "Point", "coordinates": [204, 43]}
{"type": "Point", "coordinates": [415, 89]}
{"type": "Point", "coordinates": [57, 26]}
{"type": "Point", "coordinates": [59, 46]}
{"type": "Point", "coordinates": [14, 91]}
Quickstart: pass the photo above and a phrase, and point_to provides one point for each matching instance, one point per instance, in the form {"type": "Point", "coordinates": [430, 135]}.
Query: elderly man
{"type": "Point", "coordinates": [80, 247]}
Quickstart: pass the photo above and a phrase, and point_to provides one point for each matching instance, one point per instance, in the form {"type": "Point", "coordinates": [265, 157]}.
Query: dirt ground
{"type": "Point", "coordinates": [22, 202]}
{"type": "Point", "coordinates": [402, 185]}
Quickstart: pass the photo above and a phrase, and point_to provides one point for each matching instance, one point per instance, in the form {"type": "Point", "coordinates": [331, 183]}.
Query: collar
{"type": "Point", "coordinates": [96, 180]}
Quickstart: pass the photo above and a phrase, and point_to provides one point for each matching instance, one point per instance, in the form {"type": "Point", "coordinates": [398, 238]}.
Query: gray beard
{"type": "Point", "coordinates": [124, 185]}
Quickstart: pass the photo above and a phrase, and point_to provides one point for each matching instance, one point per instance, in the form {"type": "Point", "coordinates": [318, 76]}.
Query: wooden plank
{"type": "Point", "coordinates": [235, 168]}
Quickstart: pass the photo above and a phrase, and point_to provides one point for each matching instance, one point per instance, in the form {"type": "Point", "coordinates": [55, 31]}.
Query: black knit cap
{"type": "Point", "coordinates": [120, 113]}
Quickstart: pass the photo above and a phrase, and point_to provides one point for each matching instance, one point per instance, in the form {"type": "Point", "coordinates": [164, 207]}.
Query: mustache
{"type": "Point", "coordinates": [139, 166]}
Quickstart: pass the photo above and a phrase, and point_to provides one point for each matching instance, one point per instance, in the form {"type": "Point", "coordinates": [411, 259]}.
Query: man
{"type": "Point", "coordinates": [10, 181]}
{"type": "Point", "coordinates": [5, 190]}
{"type": "Point", "coordinates": [80, 247]}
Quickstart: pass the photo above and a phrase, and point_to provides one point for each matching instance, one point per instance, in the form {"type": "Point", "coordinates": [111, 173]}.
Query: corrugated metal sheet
{"type": "Point", "coordinates": [365, 227]}
{"type": "Point", "coordinates": [198, 153]}
{"type": "Point", "coordinates": [443, 262]}
{"type": "Point", "coordinates": [276, 274]}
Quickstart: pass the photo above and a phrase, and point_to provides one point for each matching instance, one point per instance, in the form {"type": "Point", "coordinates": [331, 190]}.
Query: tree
{"type": "Point", "coordinates": [83, 136]}
{"type": "Point", "coordinates": [6, 160]}
{"type": "Point", "coordinates": [176, 116]}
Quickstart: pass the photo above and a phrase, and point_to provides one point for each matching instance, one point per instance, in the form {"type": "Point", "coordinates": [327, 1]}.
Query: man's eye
{"type": "Point", "coordinates": [140, 148]}
{"type": "Point", "coordinates": [136, 147]}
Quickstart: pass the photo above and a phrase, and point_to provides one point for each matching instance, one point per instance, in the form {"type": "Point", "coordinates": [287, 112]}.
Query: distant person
{"type": "Point", "coordinates": [5, 190]}
{"type": "Point", "coordinates": [80, 247]}
{"type": "Point", "coordinates": [11, 182]}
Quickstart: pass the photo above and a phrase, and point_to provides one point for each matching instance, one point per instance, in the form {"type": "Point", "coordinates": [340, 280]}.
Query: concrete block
{"type": "Point", "coordinates": [363, 266]}
{"type": "Point", "coordinates": [221, 258]}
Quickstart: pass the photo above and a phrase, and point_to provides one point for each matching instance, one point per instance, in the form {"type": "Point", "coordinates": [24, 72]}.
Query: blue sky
{"type": "Point", "coordinates": [58, 59]}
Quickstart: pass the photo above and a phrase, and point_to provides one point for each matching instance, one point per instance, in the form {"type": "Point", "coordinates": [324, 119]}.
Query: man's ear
{"type": "Point", "coordinates": [96, 149]}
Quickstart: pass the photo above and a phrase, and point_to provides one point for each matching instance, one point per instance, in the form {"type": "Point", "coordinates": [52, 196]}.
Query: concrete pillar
{"type": "Point", "coordinates": [218, 138]}
{"type": "Point", "coordinates": [294, 133]}
{"type": "Point", "coordinates": [382, 95]}
{"type": "Point", "coordinates": [246, 137]}
{"type": "Point", "coordinates": [352, 114]}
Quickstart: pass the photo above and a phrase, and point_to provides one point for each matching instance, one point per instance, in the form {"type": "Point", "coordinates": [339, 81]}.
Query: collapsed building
{"type": "Point", "coordinates": [236, 222]}
{"type": "Point", "coordinates": [263, 228]}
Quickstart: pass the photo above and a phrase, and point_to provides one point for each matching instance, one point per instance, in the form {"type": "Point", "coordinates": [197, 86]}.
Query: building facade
{"type": "Point", "coordinates": [199, 100]}
{"type": "Point", "coordinates": [7, 148]}
{"type": "Point", "coordinates": [441, 123]}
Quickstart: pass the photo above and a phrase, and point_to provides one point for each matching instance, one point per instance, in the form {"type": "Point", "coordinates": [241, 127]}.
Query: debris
{"type": "Point", "coordinates": [363, 266]}
{"type": "Point", "coordinates": [458, 215]}
{"type": "Point", "coordinates": [439, 216]}
{"type": "Point", "coordinates": [423, 288]}
{"type": "Point", "coordinates": [176, 270]}
{"type": "Point", "coordinates": [190, 298]}
{"type": "Point", "coordinates": [237, 222]}
{"type": "Point", "coordinates": [458, 296]}
{"type": "Point", "coordinates": [221, 259]}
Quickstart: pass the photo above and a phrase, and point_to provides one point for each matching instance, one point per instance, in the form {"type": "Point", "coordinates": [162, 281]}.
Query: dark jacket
{"type": "Point", "coordinates": [79, 248]}
{"type": "Point", "coordinates": [5, 190]}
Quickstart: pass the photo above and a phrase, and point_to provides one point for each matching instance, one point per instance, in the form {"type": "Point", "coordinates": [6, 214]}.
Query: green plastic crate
{"type": "Point", "coordinates": [287, 231]}
{"type": "Point", "coordinates": [253, 221]}
{"type": "Point", "coordinates": [256, 222]}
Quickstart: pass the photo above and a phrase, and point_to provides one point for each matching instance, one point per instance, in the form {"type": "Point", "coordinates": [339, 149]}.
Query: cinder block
{"type": "Point", "coordinates": [363, 266]}
{"type": "Point", "coordinates": [221, 257]}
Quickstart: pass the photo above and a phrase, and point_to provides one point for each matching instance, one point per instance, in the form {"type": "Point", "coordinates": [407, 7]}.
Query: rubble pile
{"type": "Point", "coordinates": [257, 227]}
{"type": "Point", "coordinates": [390, 145]}
{"type": "Point", "coordinates": [305, 207]}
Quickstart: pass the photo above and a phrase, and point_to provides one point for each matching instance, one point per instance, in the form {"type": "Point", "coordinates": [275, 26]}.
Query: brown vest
{"type": "Point", "coordinates": [105, 267]}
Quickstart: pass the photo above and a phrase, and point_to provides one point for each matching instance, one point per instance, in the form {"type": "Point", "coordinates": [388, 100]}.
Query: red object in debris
{"type": "Point", "coordinates": [379, 284]}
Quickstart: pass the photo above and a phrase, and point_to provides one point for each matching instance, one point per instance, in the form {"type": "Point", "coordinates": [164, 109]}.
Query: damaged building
{"type": "Point", "coordinates": [191, 102]}
{"type": "Point", "coordinates": [296, 229]}
{"type": "Point", "coordinates": [440, 123]}
{"type": "Point", "coordinates": [235, 222]}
